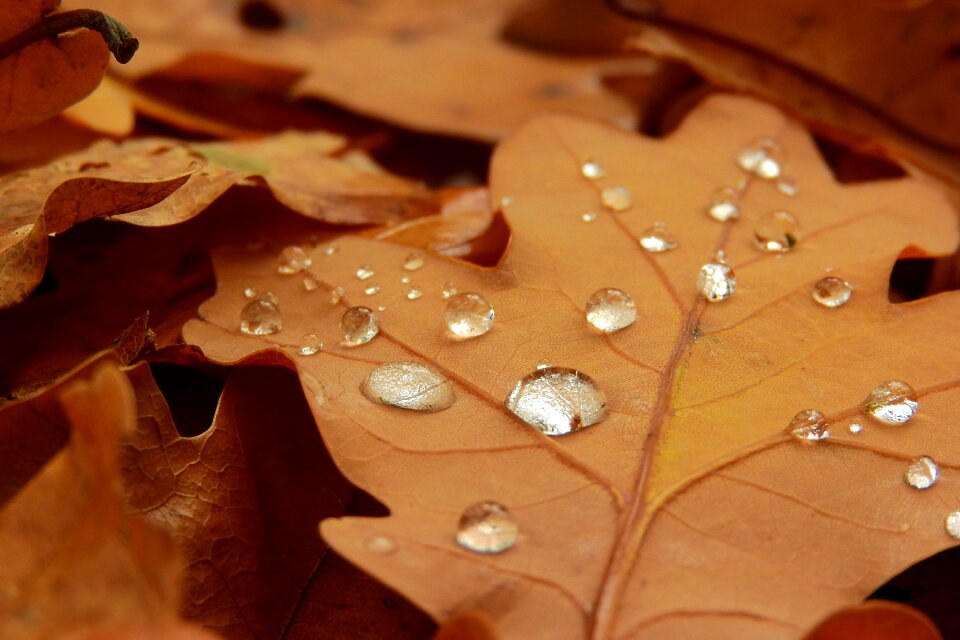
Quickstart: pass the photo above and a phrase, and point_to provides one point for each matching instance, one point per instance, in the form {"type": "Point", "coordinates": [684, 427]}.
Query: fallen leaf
{"type": "Point", "coordinates": [876, 620]}
{"type": "Point", "coordinates": [436, 67]}
{"type": "Point", "coordinates": [71, 562]}
{"type": "Point", "coordinates": [688, 511]}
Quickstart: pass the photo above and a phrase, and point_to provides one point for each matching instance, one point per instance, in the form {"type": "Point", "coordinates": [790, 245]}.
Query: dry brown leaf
{"type": "Point", "coordinates": [424, 64]}
{"type": "Point", "coordinates": [688, 511]}
{"type": "Point", "coordinates": [876, 620]}
{"type": "Point", "coordinates": [157, 182]}
{"type": "Point", "coordinates": [896, 80]}
{"type": "Point", "coordinates": [72, 563]}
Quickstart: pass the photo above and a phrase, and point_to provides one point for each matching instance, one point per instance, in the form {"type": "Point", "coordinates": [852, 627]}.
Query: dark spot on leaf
{"type": "Point", "coordinates": [552, 91]}
{"type": "Point", "coordinates": [404, 36]}
{"type": "Point", "coordinates": [850, 166]}
{"type": "Point", "coordinates": [192, 396]}
{"type": "Point", "coordinates": [953, 52]}
{"type": "Point", "coordinates": [915, 276]}
{"type": "Point", "coordinates": [88, 166]}
{"type": "Point", "coordinates": [261, 15]}
{"type": "Point", "coordinates": [930, 586]}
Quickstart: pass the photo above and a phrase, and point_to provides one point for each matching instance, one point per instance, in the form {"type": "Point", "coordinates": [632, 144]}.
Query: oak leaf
{"type": "Point", "coordinates": [688, 510]}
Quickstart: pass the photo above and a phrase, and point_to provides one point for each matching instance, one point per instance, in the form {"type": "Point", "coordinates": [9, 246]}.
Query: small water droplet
{"type": "Point", "coordinates": [658, 239]}
{"type": "Point", "coordinates": [336, 295]}
{"type": "Point", "coordinates": [414, 293]}
{"type": "Point", "coordinates": [409, 385]}
{"type": "Point", "coordinates": [611, 310]}
{"type": "Point", "coordinates": [448, 291]}
{"type": "Point", "coordinates": [358, 326]}
{"type": "Point", "coordinates": [922, 473]}
{"type": "Point", "coordinates": [832, 292]}
{"type": "Point", "coordinates": [589, 216]}
{"type": "Point", "coordinates": [776, 232]}
{"type": "Point", "coordinates": [381, 544]}
{"type": "Point", "coordinates": [616, 198]}
{"type": "Point", "coordinates": [250, 293]}
{"type": "Point", "coordinates": [787, 186]}
{"type": "Point", "coordinates": [725, 204]}
{"type": "Point", "coordinates": [716, 280]}
{"type": "Point", "coordinates": [365, 272]}
{"type": "Point", "coordinates": [856, 428]}
{"type": "Point", "coordinates": [952, 524]}
{"type": "Point", "coordinates": [260, 317]}
{"type": "Point", "coordinates": [506, 201]}
{"type": "Point", "coordinates": [405, 280]}
{"type": "Point", "coordinates": [557, 400]}
{"type": "Point", "coordinates": [413, 262]}
{"type": "Point", "coordinates": [293, 259]}
{"type": "Point", "coordinates": [810, 426]}
{"type": "Point", "coordinates": [487, 527]}
{"type": "Point", "coordinates": [381, 308]}
{"type": "Point", "coordinates": [331, 249]}
{"type": "Point", "coordinates": [310, 345]}
{"type": "Point", "coordinates": [762, 158]}
{"type": "Point", "coordinates": [311, 282]}
{"type": "Point", "coordinates": [468, 315]}
{"type": "Point", "coordinates": [892, 402]}
{"type": "Point", "coordinates": [592, 170]}
{"type": "Point", "coordinates": [372, 290]}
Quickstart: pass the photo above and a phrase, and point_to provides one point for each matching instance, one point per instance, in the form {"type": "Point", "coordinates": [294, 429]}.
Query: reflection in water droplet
{"type": "Point", "coordinates": [260, 317]}
{"type": "Point", "coordinates": [856, 428]}
{"type": "Point", "coordinates": [892, 402]}
{"type": "Point", "coordinates": [381, 544]}
{"type": "Point", "coordinates": [468, 315]}
{"type": "Point", "coordinates": [358, 326]}
{"type": "Point", "coordinates": [658, 239]}
{"type": "Point", "coordinates": [787, 186]}
{"type": "Point", "coordinates": [616, 198]}
{"type": "Point", "coordinates": [336, 295]}
{"type": "Point", "coordinates": [293, 259]}
{"type": "Point", "coordinates": [589, 216]}
{"type": "Point", "coordinates": [922, 473]}
{"type": "Point", "coordinates": [832, 292]}
{"type": "Point", "coordinates": [487, 527]}
{"type": "Point", "coordinates": [810, 426]}
{"type": "Point", "coordinates": [448, 291]}
{"type": "Point", "coordinates": [557, 400]}
{"type": "Point", "coordinates": [310, 345]}
{"type": "Point", "coordinates": [372, 290]}
{"type": "Point", "coordinates": [414, 293]}
{"type": "Point", "coordinates": [952, 524]}
{"type": "Point", "coordinates": [762, 158]}
{"type": "Point", "coordinates": [778, 231]}
{"type": "Point", "coordinates": [592, 170]}
{"type": "Point", "coordinates": [409, 385]}
{"type": "Point", "coordinates": [716, 281]}
{"type": "Point", "coordinates": [310, 282]}
{"type": "Point", "coordinates": [413, 262]}
{"type": "Point", "coordinates": [725, 204]}
{"type": "Point", "coordinates": [250, 293]}
{"type": "Point", "coordinates": [365, 272]}
{"type": "Point", "coordinates": [610, 310]}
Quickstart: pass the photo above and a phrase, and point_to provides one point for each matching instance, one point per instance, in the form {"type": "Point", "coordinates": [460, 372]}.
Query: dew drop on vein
{"type": "Point", "coordinates": [892, 402]}
{"type": "Point", "coordinates": [487, 527]}
{"type": "Point", "coordinates": [409, 385]}
{"type": "Point", "coordinates": [832, 292]}
{"type": "Point", "coordinates": [260, 317]}
{"type": "Point", "coordinates": [616, 198]}
{"type": "Point", "coordinates": [716, 281]}
{"type": "Point", "coordinates": [336, 295]}
{"type": "Point", "coordinates": [809, 426]}
{"type": "Point", "coordinates": [557, 400]}
{"type": "Point", "coordinates": [311, 282]}
{"type": "Point", "coordinates": [610, 310]}
{"type": "Point", "coordinates": [293, 259]}
{"type": "Point", "coordinates": [776, 232]}
{"type": "Point", "coordinates": [658, 239]}
{"type": "Point", "coordinates": [310, 345]}
{"type": "Point", "coordinates": [468, 315]}
{"type": "Point", "coordinates": [922, 473]}
{"type": "Point", "coordinates": [448, 290]}
{"type": "Point", "coordinates": [725, 204]}
{"type": "Point", "coordinates": [365, 272]}
{"type": "Point", "coordinates": [359, 325]}
{"type": "Point", "coordinates": [592, 170]}
{"type": "Point", "coordinates": [413, 262]}
{"type": "Point", "coordinates": [763, 158]}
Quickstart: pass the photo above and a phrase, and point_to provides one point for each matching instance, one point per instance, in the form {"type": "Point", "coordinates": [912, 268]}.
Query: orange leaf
{"type": "Point", "coordinates": [876, 620]}
{"type": "Point", "coordinates": [688, 511]}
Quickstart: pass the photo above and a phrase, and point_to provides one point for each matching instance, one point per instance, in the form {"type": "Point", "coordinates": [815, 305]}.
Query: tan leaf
{"type": "Point", "coordinates": [876, 620]}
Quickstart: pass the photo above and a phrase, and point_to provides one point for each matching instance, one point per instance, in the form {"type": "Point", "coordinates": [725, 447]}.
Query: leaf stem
{"type": "Point", "coordinates": [118, 38]}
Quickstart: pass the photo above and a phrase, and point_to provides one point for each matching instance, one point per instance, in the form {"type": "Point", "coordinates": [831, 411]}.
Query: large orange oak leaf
{"type": "Point", "coordinates": [424, 64]}
{"type": "Point", "coordinates": [156, 182]}
{"type": "Point", "coordinates": [72, 563]}
{"type": "Point", "coordinates": [688, 511]}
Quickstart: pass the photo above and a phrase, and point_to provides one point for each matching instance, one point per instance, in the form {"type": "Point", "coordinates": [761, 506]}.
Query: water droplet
{"type": "Point", "coordinates": [381, 544]}
{"type": "Point", "coordinates": [778, 231]}
{"type": "Point", "coordinates": [336, 295]}
{"type": "Point", "coordinates": [448, 291]}
{"type": "Point", "coordinates": [358, 326]}
{"type": "Point", "coordinates": [589, 216]}
{"type": "Point", "coordinates": [487, 527]}
{"type": "Point", "coordinates": [762, 158]}
{"type": "Point", "coordinates": [725, 204]}
{"type": "Point", "coordinates": [832, 292]}
{"type": "Point", "coordinates": [260, 317]}
{"type": "Point", "coordinates": [310, 345]}
{"type": "Point", "coordinates": [892, 402]}
{"type": "Point", "coordinates": [592, 170]}
{"type": "Point", "coordinates": [952, 524]}
{"type": "Point", "coordinates": [616, 198]}
{"type": "Point", "coordinates": [250, 293]}
{"type": "Point", "coordinates": [331, 249]}
{"type": "Point", "coordinates": [610, 310]}
{"type": "Point", "coordinates": [658, 239]}
{"type": "Point", "coordinates": [545, 365]}
{"type": "Point", "coordinates": [381, 308]}
{"type": "Point", "coordinates": [468, 315]}
{"type": "Point", "coordinates": [365, 272]}
{"type": "Point", "coordinates": [787, 186]}
{"type": "Point", "coordinates": [310, 282]}
{"type": "Point", "coordinates": [293, 259]}
{"type": "Point", "coordinates": [409, 385]}
{"type": "Point", "coordinates": [810, 426]}
{"type": "Point", "coordinates": [557, 400]}
{"type": "Point", "coordinates": [405, 280]}
{"type": "Point", "coordinates": [413, 262]}
{"type": "Point", "coordinates": [922, 473]}
{"type": "Point", "coordinates": [856, 428]}
{"type": "Point", "coordinates": [372, 290]}
{"type": "Point", "coordinates": [716, 281]}
{"type": "Point", "coordinates": [506, 201]}
{"type": "Point", "coordinates": [414, 293]}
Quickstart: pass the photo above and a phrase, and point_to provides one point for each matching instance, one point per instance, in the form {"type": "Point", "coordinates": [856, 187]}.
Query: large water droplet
{"type": "Point", "coordinates": [557, 400]}
{"type": "Point", "coordinates": [448, 290]}
{"type": "Point", "coordinates": [716, 281]}
{"type": "Point", "coordinates": [611, 310]}
{"type": "Point", "coordinates": [468, 315]}
{"type": "Point", "coordinates": [409, 385]}
{"type": "Point", "coordinates": [358, 326]}
{"type": "Point", "coordinates": [776, 232]}
{"type": "Point", "coordinates": [922, 473]}
{"type": "Point", "coordinates": [310, 345]}
{"type": "Point", "coordinates": [616, 198]}
{"type": "Point", "coordinates": [892, 402]}
{"type": "Point", "coordinates": [592, 170]}
{"type": "Point", "coordinates": [260, 317]}
{"type": "Point", "coordinates": [413, 262]}
{"type": "Point", "coordinates": [832, 292]}
{"type": "Point", "coordinates": [810, 426]}
{"type": "Point", "coordinates": [365, 272]}
{"type": "Point", "coordinates": [487, 527]}
{"type": "Point", "coordinates": [952, 524]}
{"type": "Point", "coordinates": [293, 259]}
{"type": "Point", "coordinates": [725, 204]}
{"type": "Point", "coordinates": [658, 239]}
